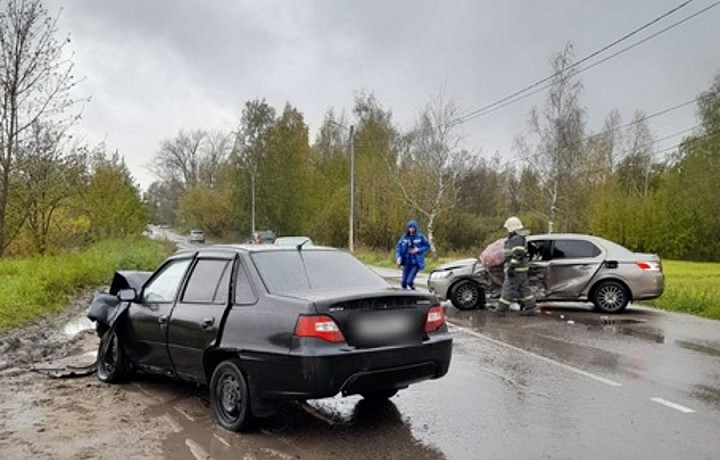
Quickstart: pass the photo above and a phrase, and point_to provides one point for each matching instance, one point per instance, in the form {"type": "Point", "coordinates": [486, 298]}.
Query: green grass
{"type": "Point", "coordinates": [690, 287]}
{"type": "Point", "coordinates": [35, 287]}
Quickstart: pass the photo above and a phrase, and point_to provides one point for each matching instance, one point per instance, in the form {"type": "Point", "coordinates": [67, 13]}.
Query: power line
{"type": "Point", "coordinates": [645, 118]}
{"type": "Point", "coordinates": [519, 95]}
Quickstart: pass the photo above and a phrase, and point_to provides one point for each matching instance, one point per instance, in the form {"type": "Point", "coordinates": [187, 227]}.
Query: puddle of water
{"type": "Point", "coordinates": [77, 325]}
{"type": "Point", "coordinates": [20, 410]}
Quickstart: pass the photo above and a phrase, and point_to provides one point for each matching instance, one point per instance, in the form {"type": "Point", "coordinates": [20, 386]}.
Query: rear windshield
{"type": "Point", "coordinates": [287, 271]}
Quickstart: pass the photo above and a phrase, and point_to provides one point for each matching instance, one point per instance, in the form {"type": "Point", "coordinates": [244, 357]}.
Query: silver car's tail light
{"type": "Point", "coordinates": [649, 266]}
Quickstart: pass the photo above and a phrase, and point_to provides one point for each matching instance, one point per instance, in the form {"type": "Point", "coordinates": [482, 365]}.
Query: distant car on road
{"type": "Point", "coordinates": [262, 237]}
{"type": "Point", "coordinates": [563, 267]}
{"type": "Point", "coordinates": [260, 324]}
{"type": "Point", "coordinates": [293, 241]}
{"type": "Point", "coordinates": [196, 236]}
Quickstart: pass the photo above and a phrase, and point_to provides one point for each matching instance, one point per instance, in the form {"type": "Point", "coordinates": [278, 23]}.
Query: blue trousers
{"type": "Point", "coordinates": [408, 276]}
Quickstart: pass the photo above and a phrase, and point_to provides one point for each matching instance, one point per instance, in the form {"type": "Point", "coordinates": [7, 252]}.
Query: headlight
{"type": "Point", "coordinates": [440, 275]}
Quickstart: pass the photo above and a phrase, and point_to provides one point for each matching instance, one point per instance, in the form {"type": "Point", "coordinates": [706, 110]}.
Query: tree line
{"type": "Point", "coordinates": [268, 174]}
{"type": "Point", "coordinates": [614, 183]}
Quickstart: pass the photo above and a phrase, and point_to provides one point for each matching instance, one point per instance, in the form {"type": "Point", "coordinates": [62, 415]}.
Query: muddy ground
{"type": "Point", "coordinates": [42, 417]}
{"type": "Point", "coordinates": [78, 418]}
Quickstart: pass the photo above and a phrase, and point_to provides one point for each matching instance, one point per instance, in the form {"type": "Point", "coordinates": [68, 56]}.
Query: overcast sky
{"type": "Point", "coordinates": [156, 67]}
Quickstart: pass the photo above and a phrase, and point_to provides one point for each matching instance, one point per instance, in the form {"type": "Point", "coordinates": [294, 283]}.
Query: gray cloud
{"type": "Point", "coordinates": [156, 67]}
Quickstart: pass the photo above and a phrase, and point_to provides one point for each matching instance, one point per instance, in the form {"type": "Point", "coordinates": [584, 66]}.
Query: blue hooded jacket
{"type": "Point", "coordinates": [407, 242]}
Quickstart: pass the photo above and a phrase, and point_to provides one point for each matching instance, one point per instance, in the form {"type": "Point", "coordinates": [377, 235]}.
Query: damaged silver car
{"type": "Point", "coordinates": [563, 267]}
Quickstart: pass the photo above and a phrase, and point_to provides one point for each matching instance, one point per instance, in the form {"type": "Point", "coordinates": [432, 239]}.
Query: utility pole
{"type": "Point", "coordinates": [351, 229]}
{"type": "Point", "coordinates": [351, 211]}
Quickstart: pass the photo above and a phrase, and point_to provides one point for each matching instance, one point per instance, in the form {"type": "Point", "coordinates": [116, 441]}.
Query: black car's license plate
{"type": "Point", "coordinates": [382, 326]}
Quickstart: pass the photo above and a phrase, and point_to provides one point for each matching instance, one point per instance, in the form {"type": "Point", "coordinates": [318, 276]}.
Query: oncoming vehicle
{"type": "Point", "coordinates": [197, 236]}
{"type": "Point", "coordinates": [260, 324]}
{"type": "Point", "coordinates": [563, 267]}
{"type": "Point", "coordinates": [262, 237]}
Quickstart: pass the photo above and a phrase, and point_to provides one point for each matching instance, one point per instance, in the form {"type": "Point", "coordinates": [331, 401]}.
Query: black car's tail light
{"type": "Point", "coordinates": [434, 319]}
{"type": "Point", "coordinates": [320, 326]}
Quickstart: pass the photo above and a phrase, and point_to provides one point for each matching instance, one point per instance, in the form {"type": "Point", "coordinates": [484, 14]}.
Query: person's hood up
{"type": "Point", "coordinates": [413, 223]}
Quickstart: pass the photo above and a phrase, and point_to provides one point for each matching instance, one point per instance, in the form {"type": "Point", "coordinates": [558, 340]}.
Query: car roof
{"type": "Point", "coordinates": [249, 248]}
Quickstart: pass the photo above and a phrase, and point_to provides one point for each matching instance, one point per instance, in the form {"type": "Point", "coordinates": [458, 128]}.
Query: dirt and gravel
{"type": "Point", "coordinates": [78, 418]}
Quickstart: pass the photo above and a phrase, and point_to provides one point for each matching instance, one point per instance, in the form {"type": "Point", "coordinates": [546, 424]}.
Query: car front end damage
{"type": "Point", "coordinates": [443, 278]}
{"type": "Point", "coordinates": [106, 307]}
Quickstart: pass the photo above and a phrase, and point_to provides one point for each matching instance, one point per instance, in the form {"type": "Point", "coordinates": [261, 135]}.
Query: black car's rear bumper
{"type": "Point", "coordinates": [317, 369]}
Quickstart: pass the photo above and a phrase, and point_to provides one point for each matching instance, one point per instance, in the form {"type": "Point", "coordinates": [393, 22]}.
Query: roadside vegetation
{"type": "Point", "coordinates": [691, 287]}
{"type": "Point", "coordinates": [39, 286]}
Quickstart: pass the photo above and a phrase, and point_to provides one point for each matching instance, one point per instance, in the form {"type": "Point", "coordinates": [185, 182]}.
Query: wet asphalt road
{"type": "Point", "coordinates": [568, 384]}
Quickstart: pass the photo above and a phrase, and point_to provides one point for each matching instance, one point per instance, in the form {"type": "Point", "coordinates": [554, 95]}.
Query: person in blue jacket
{"type": "Point", "coordinates": [410, 253]}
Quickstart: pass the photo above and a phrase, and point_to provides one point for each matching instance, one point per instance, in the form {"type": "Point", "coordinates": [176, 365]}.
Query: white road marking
{"type": "Point", "coordinates": [673, 405]}
{"type": "Point", "coordinates": [589, 375]}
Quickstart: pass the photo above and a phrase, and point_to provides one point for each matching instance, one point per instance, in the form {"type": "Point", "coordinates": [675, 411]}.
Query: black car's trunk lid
{"type": "Point", "coordinates": [379, 318]}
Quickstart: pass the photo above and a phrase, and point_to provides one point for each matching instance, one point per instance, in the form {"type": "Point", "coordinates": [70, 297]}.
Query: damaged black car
{"type": "Point", "coordinates": [262, 324]}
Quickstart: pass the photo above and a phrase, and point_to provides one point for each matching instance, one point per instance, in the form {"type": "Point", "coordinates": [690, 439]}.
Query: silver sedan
{"type": "Point", "coordinates": [563, 267]}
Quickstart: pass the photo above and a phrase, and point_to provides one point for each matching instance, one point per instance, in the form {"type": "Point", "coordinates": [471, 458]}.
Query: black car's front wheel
{"type": "Point", "coordinates": [467, 295]}
{"type": "Point", "coordinates": [230, 396]}
{"type": "Point", "coordinates": [111, 365]}
{"type": "Point", "coordinates": [610, 297]}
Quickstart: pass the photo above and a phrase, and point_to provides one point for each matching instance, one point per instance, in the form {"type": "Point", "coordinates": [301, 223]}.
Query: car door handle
{"type": "Point", "coordinates": [207, 323]}
{"type": "Point", "coordinates": [162, 321]}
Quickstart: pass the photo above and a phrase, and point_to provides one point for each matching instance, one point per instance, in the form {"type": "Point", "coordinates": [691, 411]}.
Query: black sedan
{"type": "Point", "coordinates": [261, 324]}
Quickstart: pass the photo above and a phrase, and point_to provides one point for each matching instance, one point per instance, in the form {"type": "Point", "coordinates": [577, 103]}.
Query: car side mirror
{"type": "Point", "coordinates": [127, 295]}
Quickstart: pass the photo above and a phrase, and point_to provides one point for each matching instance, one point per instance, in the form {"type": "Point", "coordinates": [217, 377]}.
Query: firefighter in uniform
{"type": "Point", "coordinates": [516, 285]}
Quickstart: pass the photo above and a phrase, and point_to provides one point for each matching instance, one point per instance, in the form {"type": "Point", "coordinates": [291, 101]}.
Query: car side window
{"type": "Point", "coordinates": [208, 282]}
{"type": "Point", "coordinates": [536, 250]}
{"type": "Point", "coordinates": [244, 293]}
{"type": "Point", "coordinates": [164, 286]}
{"type": "Point", "coordinates": [574, 249]}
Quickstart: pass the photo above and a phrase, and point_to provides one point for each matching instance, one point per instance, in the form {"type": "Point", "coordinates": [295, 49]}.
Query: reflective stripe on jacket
{"type": "Point", "coordinates": [516, 253]}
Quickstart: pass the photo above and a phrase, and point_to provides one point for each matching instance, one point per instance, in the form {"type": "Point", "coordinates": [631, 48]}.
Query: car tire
{"type": "Point", "coordinates": [467, 295]}
{"type": "Point", "coordinates": [610, 297]}
{"type": "Point", "coordinates": [379, 395]}
{"type": "Point", "coordinates": [111, 365]}
{"type": "Point", "coordinates": [230, 396]}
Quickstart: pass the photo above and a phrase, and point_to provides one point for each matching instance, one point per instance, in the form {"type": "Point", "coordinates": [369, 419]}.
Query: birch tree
{"type": "Point", "coordinates": [35, 83]}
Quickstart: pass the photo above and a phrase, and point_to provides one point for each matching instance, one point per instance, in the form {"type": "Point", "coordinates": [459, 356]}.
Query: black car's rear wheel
{"type": "Point", "coordinates": [111, 366]}
{"type": "Point", "coordinates": [230, 396]}
{"type": "Point", "coordinates": [610, 297]}
{"type": "Point", "coordinates": [379, 395]}
{"type": "Point", "coordinates": [467, 295]}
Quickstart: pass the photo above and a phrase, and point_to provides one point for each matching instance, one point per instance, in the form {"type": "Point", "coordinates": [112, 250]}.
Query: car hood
{"type": "Point", "coordinates": [455, 264]}
{"type": "Point", "coordinates": [128, 279]}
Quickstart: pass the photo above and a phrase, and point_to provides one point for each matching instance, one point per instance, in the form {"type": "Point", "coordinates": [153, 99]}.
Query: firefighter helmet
{"type": "Point", "coordinates": [513, 224]}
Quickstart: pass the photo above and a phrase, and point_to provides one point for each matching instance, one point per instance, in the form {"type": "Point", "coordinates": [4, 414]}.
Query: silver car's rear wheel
{"type": "Point", "coordinates": [467, 295]}
{"type": "Point", "coordinates": [610, 297]}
